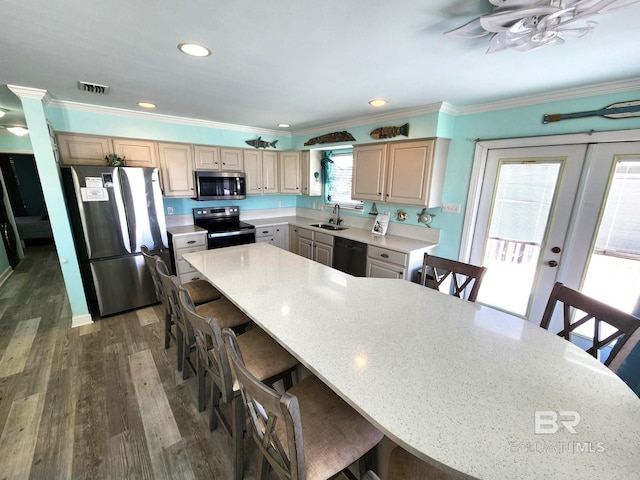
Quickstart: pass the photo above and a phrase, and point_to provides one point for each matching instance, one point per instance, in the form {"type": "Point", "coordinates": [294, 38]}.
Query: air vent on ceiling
{"type": "Point", "coordinates": [93, 88]}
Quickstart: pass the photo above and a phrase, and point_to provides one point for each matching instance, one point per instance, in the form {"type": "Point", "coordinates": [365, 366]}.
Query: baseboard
{"type": "Point", "coordinates": [5, 275]}
{"type": "Point", "coordinates": [79, 320]}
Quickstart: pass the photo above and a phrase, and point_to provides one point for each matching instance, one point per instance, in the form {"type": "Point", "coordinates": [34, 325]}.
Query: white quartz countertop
{"type": "Point", "coordinates": [392, 242]}
{"type": "Point", "coordinates": [453, 382]}
{"type": "Point", "coordinates": [185, 230]}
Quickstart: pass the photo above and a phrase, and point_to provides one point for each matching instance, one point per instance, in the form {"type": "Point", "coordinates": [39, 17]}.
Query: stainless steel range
{"type": "Point", "coordinates": [224, 226]}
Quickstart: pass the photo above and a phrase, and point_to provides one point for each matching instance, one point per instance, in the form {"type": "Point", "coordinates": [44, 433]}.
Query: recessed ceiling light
{"type": "Point", "coordinates": [19, 131]}
{"type": "Point", "coordinates": [194, 49]}
{"type": "Point", "coordinates": [147, 105]}
{"type": "Point", "coordinates": [284, 125]}
{"type": "Point", "coordinates": [3, 112]}
{"type": "Point", "coordinates": [378, 102]}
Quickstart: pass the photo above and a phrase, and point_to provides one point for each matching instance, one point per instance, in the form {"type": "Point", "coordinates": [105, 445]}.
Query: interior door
{"type": "Point", "coordinates": [522, 221]}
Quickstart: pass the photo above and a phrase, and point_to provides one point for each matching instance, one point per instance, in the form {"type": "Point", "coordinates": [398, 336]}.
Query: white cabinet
{"type": "Point", "coordinates": [311, 173]}
{"type": "Point", "coordinates": [290, 172]}
{"type": "Point", "coordinates": [408, 173]}
{"type": "Point", "coordinates": [83, 149]}
{"type": "Point", "coordinates": [137, 153]}
{"type": "Point", "coordinates": [231, 158]}
{"type": "Point", "coordinates": [92, 150]}
{"type": "Point", "coordinates": [282, 236]}
{"type": "Point", "coordinates": [206, 158]}
{"type": "Point", "coordinates": [385, 263]}
{"type": "Point", "coordinates": [305, 243]}
{"type": "Point", "coordinates": [261, 172]}
{"type": "Point", "coordinates": [293, 240]}
{"type": "Point", "coordinates": [323, 248]}
{"type": "Point", "coordinates": [176, 161]}
{"type": "Point", "coordinates": [186, 243]}
{"type": "Point", "coordinates": [266, 235]}
{"type": "Point", "coordinates": [315, 246]}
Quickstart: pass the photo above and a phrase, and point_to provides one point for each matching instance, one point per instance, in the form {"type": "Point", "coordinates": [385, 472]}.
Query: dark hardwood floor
{"type": "Point", "coordinates": [98, 401]}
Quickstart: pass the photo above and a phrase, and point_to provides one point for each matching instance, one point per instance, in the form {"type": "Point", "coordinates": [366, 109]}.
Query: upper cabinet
{"type": "Point", "coordinates": [176, 163]}
{"type": "Point", "coordinates": [83, 149]}
{"type": "Point", "coordinates": [290, 172]}
{"type": "Point", "coordinates": [408, 173]}
{"type": "Point", "coordinates": [311, 173]}
{"type": "Point", "coordinates": [261, 170]}
{"type": "Point", "coordinates": [91, 150]}
{"type": "Point", "coordinates": [207, 158]}
{"type": "Point", "coordinates": [231, 158]}
{"type": "Point", "coordinates": [137, 153]}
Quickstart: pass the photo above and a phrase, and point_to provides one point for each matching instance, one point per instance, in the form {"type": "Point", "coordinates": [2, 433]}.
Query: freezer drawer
{"type": "Point", "coordinates": [123, 283]}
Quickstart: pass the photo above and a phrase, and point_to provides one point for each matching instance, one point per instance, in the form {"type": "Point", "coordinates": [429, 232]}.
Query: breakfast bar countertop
{"type": "Point", "coordinates": [453, 382]}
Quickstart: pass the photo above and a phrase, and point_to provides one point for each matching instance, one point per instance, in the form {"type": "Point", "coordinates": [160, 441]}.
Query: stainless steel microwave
{"type": "Point", "coordinates": [212, 185]}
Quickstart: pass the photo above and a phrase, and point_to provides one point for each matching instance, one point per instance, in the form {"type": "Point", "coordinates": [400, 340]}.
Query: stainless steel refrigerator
{"type": "Point", "coordinates": [114, 211]}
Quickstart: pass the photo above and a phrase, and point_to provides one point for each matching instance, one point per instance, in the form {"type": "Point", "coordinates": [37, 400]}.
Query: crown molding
{"type": "Point", "coordinates": [121, 112]}
{"type": "Point", "coordinates": [555, 96]}
{"type": "Point", "coordinates": [29, 92]}
{"type": "Point", "coordinates": [392, 115]}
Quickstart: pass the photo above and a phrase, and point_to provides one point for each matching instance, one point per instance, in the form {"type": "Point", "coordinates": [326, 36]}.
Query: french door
{"type": "Point", "coordinates": [566, 213]}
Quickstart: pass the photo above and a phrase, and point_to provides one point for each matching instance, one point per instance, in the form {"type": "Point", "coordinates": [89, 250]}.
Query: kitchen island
{"type": "Point", "coordinates": [453, 382]}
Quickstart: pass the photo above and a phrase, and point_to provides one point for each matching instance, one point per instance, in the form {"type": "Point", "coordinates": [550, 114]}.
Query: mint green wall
{"type": "Point", "coordinates": [185, 206]}
{"type": "Point", "coordinates": [54, 198]}
{"type": "Point", "coordinates": [154, 129]}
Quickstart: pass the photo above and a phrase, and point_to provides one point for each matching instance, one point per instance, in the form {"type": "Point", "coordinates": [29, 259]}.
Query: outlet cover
{"type": "Point", "coordinates": [451, 208]}
{"type": "Point", "coordinates": [169, 210]}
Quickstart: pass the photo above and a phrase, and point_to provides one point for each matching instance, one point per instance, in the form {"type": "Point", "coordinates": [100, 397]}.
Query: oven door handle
{"type": "Point", "coordinates": [231, 234]}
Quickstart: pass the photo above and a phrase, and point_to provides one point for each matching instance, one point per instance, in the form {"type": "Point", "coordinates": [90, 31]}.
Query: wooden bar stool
{"type": "Point", "coordinates": [306, 433]}
{"type": "Point", "coordinates": [404, 466]}
{"type": "Point", "coordinates": [578, 309]}
{"type": "Point", "coordinates": [265, 358]}
{"type": "Point", "coordinates": [201, 291]}
{"type": "Point", "coordinates": [435, 270]}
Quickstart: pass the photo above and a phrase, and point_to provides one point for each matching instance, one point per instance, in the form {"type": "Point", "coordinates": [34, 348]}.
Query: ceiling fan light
{"type": "Point", "coordinates": [19, 131]}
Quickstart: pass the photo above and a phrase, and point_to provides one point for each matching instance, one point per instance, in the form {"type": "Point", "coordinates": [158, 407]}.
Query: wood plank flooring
{"type": "Point", "coordinates": [99, 401]}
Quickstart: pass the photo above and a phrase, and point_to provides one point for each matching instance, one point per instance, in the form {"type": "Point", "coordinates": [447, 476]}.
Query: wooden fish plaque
{"type": "Point", "coordinates": [390, 132]}
{"type": "Point", "coordinates": [331, 137]}
{"type": "Point", "coordinates": [615, 110]}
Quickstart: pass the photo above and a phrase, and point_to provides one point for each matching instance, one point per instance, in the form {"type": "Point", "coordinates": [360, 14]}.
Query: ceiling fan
{"type": "Point", "coordinates": [525, 25]}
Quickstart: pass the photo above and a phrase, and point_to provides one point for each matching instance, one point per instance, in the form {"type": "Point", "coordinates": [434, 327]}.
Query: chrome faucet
{"type": "Point", "coordinates": [336, 207]}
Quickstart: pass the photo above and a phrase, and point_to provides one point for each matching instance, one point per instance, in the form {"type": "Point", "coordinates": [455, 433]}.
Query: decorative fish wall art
{"type": "Point", "coordinates": [343, 136]}
{"type": "Point", "coordinates": [390, 132]}
{"type": "Point", "coordinates": [259, 143]}
{"type": "Point", "coordinates": [615, 110]}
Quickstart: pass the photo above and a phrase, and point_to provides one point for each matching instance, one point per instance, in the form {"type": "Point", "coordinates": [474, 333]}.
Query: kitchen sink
{"type": "Point", "coordinates": [328, 226]}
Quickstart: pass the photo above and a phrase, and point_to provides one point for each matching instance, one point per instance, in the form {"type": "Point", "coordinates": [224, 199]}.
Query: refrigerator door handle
{"type": "Point", "coordinates": [122, 214]}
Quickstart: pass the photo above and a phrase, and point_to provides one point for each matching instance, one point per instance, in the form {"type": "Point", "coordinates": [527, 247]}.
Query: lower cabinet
{"type": "Point", "coordinates": [282, 236]}
{"type": "Point", "coordinates": [277, 235]}
{"type": "Point", "coordinates": [315, 246]}
{"type": "Point", "coordinates": [186, 243]}
{"type": "Point", "coordinates": [265, 235]}
{"type": "Point", "coordinates": [385, 263]}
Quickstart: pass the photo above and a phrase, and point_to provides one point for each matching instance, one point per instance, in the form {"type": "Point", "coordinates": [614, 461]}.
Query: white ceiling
{"type": "Point", "coordinates": [300, 62]}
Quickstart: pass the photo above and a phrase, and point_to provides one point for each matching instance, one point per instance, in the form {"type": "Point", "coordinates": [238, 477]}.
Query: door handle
{"type": "Point", "coordinates": [552, 263]}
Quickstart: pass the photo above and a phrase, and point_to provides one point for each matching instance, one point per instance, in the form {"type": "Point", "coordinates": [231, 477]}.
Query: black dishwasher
{"type": "Point", "coordinates": [350, 256]}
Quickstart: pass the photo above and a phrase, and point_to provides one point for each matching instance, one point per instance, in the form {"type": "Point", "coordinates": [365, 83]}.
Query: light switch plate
{"type": "Point", "coordinates": [451, 208]}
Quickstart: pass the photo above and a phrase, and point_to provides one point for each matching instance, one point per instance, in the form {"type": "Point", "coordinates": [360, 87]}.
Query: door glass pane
{"type": "Point", "coordinates": [613, 272]}
{"type": "Point", "coordinates": [521, 207]}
